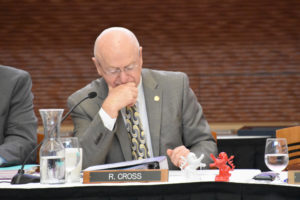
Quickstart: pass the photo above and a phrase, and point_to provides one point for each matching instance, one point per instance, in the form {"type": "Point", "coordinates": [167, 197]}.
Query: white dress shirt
{"type": "Point", "coordinates": [109, 122]}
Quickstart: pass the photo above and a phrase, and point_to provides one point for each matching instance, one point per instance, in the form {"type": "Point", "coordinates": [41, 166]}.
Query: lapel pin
{"type": "Point", "coordinates": [156, 98]}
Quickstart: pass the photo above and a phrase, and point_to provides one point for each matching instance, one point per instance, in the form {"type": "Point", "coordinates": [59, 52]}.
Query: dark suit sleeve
{"type": "Point", "coordinates": [21, 125]}
{"type": "Point", "coordinates": [196, 132]}
{"type": "Point", "coordinates": [94, 138]}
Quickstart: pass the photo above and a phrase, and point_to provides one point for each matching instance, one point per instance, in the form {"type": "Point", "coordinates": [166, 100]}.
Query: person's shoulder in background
{"type": "Point", "coordinates": [13, 74]}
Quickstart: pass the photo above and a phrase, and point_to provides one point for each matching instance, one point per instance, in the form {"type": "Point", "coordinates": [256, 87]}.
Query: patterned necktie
{"type": "Point", "coordinates": [136, 134]}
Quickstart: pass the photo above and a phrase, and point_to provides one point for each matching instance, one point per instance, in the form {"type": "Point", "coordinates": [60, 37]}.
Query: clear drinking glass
{"type": "Point", "coordinates": [72, 159]}
{"type": "Point", "coordinates": [276, 155]}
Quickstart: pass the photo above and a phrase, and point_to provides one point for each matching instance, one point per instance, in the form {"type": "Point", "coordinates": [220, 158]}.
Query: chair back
{"type": "Point", "coordinates": [214, 134]}
{"type": "Point", "coordinates": [292, 135]}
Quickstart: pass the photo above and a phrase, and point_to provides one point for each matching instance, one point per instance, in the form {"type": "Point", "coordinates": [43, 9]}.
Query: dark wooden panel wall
{"type": "Point", "coordinates": [242, 57]}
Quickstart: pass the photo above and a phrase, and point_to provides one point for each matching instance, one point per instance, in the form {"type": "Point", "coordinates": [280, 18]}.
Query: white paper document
{"type": "Point", "coordinates": [160, 162]}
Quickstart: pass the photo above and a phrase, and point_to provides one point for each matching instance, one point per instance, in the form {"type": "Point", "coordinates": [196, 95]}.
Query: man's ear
{"type": "Point", "coordinates": [141, 56]}
{"type": "Point", "coordinates": [97, 65]}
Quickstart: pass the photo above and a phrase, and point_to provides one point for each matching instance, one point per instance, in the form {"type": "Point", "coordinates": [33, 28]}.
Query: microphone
{"type": "Point", "coordinates": [21, 177]}
{"type": "Point", "coordinates": [90, 95]}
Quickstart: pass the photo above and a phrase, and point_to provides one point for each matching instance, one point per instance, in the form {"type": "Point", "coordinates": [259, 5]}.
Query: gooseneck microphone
{"type": "Point", "coordinates": [21, 177]}
{"type": "Point", "coordinates": [91, 95]}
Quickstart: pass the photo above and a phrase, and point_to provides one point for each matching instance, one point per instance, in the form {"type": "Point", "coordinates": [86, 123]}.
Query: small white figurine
{"type": "Point", "coordinates": [190, 164]}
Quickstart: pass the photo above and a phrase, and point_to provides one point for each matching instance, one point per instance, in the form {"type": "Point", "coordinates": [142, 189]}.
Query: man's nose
{"type": "Point", "coordinates": [123, 77]}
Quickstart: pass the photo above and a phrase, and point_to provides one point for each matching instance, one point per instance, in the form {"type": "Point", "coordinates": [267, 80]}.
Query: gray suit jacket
{"type": "Point", "coordinates": [176, 119]}
{"type": "Point", "coordinates": [18, 124]}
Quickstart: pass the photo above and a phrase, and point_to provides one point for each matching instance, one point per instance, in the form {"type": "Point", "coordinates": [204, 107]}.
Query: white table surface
{"type": "Point", "coordinates": [238, 176]}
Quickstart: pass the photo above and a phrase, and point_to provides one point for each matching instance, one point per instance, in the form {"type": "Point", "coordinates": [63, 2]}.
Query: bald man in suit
{"type": "Point", "coordinates": [171, 116]}
{"type": "Point", "coordinates": [18, 124]}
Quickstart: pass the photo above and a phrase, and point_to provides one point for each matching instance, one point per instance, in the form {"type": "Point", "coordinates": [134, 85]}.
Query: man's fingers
{"type": "Point", "coordinates": [175, 154]}
{"type": "Point", "coordinates": [128, 92]}
{"type": "Point", "coordinates": [169, 152]}
{"type": "Point", "coordinates": [131, 84]}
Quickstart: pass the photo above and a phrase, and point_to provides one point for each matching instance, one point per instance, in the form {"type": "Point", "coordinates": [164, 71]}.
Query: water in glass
{"type": "Point", "coordinates": [276, 155]}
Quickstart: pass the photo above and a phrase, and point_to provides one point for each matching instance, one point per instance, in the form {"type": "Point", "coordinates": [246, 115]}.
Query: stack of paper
{"type": "Point", "coordinates": [6, 173]}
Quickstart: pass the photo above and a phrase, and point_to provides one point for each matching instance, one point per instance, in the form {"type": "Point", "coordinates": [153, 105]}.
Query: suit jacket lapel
{"type": "Point", "coordinates": [153, 99]}
{"type": "Point", "coordinates": [123, 137]}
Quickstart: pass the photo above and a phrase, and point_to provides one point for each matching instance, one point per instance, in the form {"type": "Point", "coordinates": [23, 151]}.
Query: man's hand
{"type": "Point", "coordinates": [119, 97]}
{"type": "Point", "coordinates": [176, 153]}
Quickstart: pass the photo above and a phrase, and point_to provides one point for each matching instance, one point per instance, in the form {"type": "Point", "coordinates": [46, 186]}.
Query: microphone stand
{"type": "Point", "coordinates": [21, 177]}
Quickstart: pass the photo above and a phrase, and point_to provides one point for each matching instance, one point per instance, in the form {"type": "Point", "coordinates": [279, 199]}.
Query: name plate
{"type": "Point", "coordinates": [294, 176]}
{"type": "Point", "coordinates": [122, 176]}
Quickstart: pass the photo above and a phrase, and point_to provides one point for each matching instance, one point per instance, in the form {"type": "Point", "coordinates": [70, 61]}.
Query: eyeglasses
{"type": "Point", "coordinates": [117, 71]}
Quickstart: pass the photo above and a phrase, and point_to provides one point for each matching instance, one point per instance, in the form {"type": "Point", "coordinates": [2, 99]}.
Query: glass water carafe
{"type": "Point", "coordinates": [52, 154]}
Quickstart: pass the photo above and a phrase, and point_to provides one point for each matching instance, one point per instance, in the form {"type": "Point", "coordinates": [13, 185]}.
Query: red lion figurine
{"type": "Point", "coordinates": [224, 164]}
